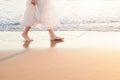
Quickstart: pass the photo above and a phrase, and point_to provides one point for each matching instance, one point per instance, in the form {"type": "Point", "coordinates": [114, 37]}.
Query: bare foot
{"type": "Point", "coordinates": [56, 38]}
{"type": "Point", "coordinates": [26, 37]}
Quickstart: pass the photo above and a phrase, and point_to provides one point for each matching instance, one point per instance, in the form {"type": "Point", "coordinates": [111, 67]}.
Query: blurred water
{"type": "Point", "coordinates": [70, 12]}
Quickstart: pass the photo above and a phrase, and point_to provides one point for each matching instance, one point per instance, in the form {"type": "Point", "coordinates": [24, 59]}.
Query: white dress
{"type": "Point", "coordinates": [43, 13]}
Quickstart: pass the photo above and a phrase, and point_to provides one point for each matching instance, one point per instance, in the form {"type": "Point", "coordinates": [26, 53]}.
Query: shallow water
{"type": "Point", "coordinates": [70, 11]}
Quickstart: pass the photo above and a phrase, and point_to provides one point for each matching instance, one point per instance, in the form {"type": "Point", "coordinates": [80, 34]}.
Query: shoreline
{"type": "Point", "coordinates": [100, 27]}
{"type": "Point", "coordinates": [73, 39]}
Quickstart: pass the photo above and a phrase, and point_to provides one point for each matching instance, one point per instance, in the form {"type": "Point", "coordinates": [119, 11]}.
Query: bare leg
{"type": "Point", "coordinates": [53, 37]}
{"type": "Point", "coordinates": [25, 34]}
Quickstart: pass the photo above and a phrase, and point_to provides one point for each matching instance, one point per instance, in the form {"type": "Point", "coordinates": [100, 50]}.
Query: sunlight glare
{"type": "Point", "coordinates": [88, 8]}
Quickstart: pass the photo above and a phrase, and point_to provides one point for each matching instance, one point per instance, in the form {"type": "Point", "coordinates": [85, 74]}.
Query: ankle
{"type": "Point", "coordinates": [51, 33]}
{"type": "Point", "coordinates": [24, 34]}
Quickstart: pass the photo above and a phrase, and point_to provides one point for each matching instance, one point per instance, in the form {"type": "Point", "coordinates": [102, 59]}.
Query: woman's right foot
{"type": "Point", "coordinates": [56, 38]}
{"type": "Point", "coordinates": [26, 37]}
{"type": "Point", "coordinates": [53, 37]}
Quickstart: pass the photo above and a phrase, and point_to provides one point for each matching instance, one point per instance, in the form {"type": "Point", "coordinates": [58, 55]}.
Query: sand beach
{"type": "Point", "coordinates": [84, 55]}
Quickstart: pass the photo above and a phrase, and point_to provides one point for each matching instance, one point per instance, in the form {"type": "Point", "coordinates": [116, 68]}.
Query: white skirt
{"type": "Point", "coordinates": [42, 14]}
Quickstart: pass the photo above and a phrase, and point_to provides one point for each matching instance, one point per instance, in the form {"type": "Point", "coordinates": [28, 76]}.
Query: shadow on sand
{"type": "Point", "coordinates": [26, 45]}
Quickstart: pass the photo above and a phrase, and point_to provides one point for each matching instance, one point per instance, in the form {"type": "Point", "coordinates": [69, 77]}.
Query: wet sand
{"type": "Point", "coordinates": [63, 64]}
{"type": "Point", "coordinates": [86, 56]}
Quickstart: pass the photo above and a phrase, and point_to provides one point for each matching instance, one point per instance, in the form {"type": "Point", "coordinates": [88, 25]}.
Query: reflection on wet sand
{"type": "Point", "coordinates": [54, 43]}
{"type": "Point", "coordinates": [26, 44]}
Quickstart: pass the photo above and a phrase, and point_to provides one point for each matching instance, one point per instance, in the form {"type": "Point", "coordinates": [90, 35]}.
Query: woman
{"type": "Point", "coordinates": [40, 12]}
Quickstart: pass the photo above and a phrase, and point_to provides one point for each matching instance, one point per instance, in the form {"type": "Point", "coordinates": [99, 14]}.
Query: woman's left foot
{"type": "Point", "coordinates": [26, 37]}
